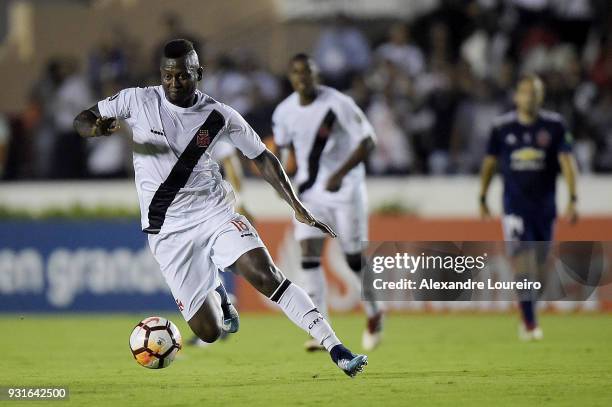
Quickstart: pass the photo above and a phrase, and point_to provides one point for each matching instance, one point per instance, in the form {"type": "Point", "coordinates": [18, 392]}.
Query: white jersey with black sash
{"type": "Point", "coordinates": [178, 183]}
{"type": "Point", "coordinates": [323, 133]}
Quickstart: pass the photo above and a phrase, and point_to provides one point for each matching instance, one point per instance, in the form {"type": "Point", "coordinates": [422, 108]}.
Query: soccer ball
{"type": "Point", "coordinates": [155, 342]}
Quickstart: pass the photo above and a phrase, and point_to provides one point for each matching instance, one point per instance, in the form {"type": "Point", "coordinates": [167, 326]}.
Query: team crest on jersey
{"type": "Point", "coordinates": [511, 139]}
{"type": "Point", "coordinates": [203, 140]}
{"type": "Point", "coordinates": [543, 138]}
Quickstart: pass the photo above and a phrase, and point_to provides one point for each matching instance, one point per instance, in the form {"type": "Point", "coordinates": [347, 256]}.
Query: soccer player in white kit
{"type": "Point", "coordinates": [188, 210]}
{"type": "Point", "coordinates": [331, 138]}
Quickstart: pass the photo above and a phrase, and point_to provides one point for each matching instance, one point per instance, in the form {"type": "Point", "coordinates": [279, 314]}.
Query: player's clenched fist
{"type": "Point", "coordinates": [104, 126]}
{"type": "Point", "coordinates": [571, 213]}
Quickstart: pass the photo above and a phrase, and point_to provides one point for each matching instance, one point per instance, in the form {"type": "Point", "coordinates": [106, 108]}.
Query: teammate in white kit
{"type": "Point", "coordinates": [188, 210]}
{"type": "Point", "coordinates": [331, 138]}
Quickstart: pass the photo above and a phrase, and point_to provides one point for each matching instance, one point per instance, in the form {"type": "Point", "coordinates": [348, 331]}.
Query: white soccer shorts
{"type": "Point", "coordinates": [349, 219]}
{"type": "Point", "coordinates": [190, 260]}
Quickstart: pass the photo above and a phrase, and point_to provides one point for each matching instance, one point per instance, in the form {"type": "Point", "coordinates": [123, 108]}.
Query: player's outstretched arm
{"type": "Point", "coordinates": [568, 169]}
{"type": "Point", "coordinates": [272, 171]}
{"type": "Point", "coordinates": [359, 155]}
{"type": "Point", "coordinates": [89, 123]}
{"type": "Point", "coordinates": [489, 165]}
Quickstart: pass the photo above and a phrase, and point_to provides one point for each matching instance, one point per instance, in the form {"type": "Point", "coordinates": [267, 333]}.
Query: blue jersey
{"type": "Point", "coordinates": [528, 162]}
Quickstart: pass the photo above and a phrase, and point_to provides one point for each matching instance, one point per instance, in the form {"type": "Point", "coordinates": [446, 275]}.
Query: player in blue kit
{"type": "Point", "coordinates": [530, 146]}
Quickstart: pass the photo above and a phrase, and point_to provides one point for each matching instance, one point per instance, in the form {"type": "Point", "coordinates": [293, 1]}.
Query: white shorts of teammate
{"type": "Point", "coordinates": [190, 259]}
{"type": "Point", "coordinates": [348, 218]}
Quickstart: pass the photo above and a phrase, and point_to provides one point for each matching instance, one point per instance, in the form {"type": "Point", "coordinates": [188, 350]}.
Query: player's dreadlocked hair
{"type": "Point", "coordinates": [178, 48]}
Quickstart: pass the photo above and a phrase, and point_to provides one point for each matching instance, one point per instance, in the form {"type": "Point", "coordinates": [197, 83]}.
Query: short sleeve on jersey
{"type": "Point", "coordinates": [121, 105]}
{"type": "Point", "coordinates": [353, 120]}
{"type": "Point", "coordinates": [282, 137]}
{"type": "Point", "coordinates": [494, 144]}
{"type": "Point", "coordinates": [242, 136]}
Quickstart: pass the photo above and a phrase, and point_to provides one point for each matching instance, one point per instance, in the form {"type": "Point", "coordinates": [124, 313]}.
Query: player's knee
{"type": "Point", "coordinates": [208, 333]}
{"type": "Point", "coordinates": [355, 261]}
{"type": "Point", "coordinates": [211, 335]}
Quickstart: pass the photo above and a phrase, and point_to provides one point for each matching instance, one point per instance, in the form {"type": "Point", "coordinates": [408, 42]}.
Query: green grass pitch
{"type": "Point", "coordinates": [426, 360]}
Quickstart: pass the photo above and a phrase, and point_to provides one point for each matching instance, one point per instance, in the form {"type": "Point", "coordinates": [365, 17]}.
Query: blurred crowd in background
{"type": "Point", "coordinates": [431, 87]}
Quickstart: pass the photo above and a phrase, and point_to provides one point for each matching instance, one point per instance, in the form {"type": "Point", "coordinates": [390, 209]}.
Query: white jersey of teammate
{"type": "Point", "coordinates": [178, 183]}
{"type": "Point", "coordinates": [186, 207]}
{"type": "Point", "coordinates": [324, 134]}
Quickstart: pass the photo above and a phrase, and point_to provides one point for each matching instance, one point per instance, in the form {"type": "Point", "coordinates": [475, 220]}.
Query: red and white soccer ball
{"type": "Point", "coordinates": [155, 342]}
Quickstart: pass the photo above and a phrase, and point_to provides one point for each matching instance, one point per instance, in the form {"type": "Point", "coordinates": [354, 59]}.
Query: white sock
{"type": "Point", "coordinates": [316, 287]}
{"type": "Point", "coordinates": [300, 309]}
{"type": "Point", "coordinates": [370, 307]}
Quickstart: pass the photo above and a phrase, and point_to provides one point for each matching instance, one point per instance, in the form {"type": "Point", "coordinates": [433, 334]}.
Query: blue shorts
{"type": "Point", "coordinates": [528, 231]}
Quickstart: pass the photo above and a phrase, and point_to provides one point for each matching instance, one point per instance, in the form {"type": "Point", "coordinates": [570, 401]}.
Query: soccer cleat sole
{"type": "Point", "coordinates": [356, 365]}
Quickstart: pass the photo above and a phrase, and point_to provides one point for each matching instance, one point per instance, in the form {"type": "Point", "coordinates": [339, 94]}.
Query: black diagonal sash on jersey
{"type": "Point", "coordinates": [182, 170]}
{"type": "Point", "coordinates": [317, 149]}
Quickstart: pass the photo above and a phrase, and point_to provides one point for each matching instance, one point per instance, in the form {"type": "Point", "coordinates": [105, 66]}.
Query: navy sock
{"type": "Point", "coordinates": [340, 352]}
{"type": "Point", "coordinates": [528, 312]}
{"type": "Point", "coordinates": [225, 302]}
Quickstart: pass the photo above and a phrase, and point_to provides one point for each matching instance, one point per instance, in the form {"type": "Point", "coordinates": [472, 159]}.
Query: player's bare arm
{"type": "Point", "coordinates": [568, 169]}
{"type": "Point", "coordinates": [89, 123]}
{"type": "Point", "coordinates": [489, 166]}
{"type": "Point", "coordinates": [359, 155]}
{"type": "Point", "coordinates": [272, 171]}
{"type": "Point", "coordinates": [287, 158]}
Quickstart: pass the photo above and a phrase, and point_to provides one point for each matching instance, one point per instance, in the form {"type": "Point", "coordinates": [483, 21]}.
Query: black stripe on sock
{"type": "Point", "coordinates": [355, 264]}
{"type": "Point", "coordinates": [180, 173]}
{"type": "Point", "coordinates": [280, 290]}
{"type": "Point", "coordinates": [312, 310]}
{"type": "Point", "coordinates": [317, 149]}
{"type": "Point", "coordinates": [310, 265]}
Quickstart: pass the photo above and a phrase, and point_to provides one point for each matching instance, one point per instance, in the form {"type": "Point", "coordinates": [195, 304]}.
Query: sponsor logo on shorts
{"type": "Point", "coordinates": [180, 305]}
